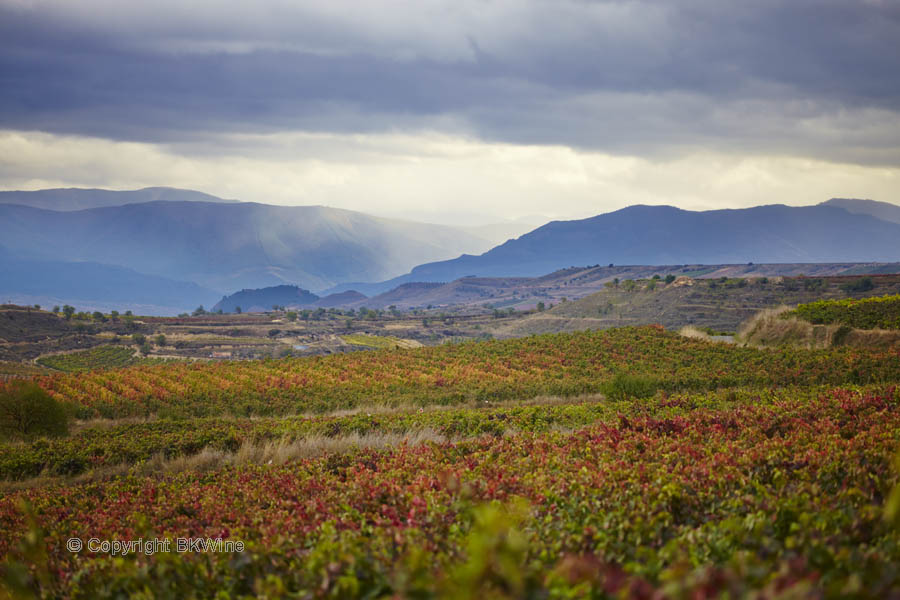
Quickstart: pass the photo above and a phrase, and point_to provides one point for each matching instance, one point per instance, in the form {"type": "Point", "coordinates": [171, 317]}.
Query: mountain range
{"type": "Point", "coordinates": [68, 199]}
{"type": "Point", "coordinates": [665, 235]}
{"type": "Point", "coordinates": [228, 246]}
{"type": "Point", "coordinates": [180, 248]}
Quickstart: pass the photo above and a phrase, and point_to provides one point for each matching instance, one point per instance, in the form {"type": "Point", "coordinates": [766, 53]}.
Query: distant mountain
{"type": "Point", "coordinates": [68, 199]}
{"type": "Point", "coordinates": [880, 210]}
{"type": "Point", "coordinates": [97, 284]}
{"type": "Point", "coordinates": [350, 297]}
{"type": "Point", "coordinates": [232, 246]}
{"type": "Point", "coordinates": [499, 232]}
{"type": "Point", "coordinates": [289, 296]}
{"type": "Point", "coordinates": [264, 299]}
{"type": "Point", "coordinates": [656, 235]}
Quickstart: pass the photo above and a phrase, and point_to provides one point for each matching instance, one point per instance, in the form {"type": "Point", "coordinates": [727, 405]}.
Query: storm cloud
{"type": "Point", "coordinates": [803, 77]}
{"type": "Point", "coordinates": [211, 91]}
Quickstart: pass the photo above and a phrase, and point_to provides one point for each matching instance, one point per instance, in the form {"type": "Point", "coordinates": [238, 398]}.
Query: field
{"type": "Point", "coordinates": [560, 365]}
{"type": "Point", "coordinates": [869, 313]}
{"type": "Point", "coordinates": [618, 463]}
{"type": "Point", "coordinates": [101, 357]}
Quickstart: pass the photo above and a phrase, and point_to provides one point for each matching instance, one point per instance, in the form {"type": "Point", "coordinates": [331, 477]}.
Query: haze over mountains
{"type": "Point", "coordinates": [68, 199]}
{"type": "Point", "coordinates": [183, 252]}
{"type": "Point", "coordinates": [218, 247]}
{"type": "Point", "coordinates": [665, 235]}
{"type": "Point", "coordinates": [879, 210]}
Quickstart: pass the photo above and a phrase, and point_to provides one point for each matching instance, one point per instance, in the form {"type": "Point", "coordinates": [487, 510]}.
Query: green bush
{"type": "Point", "coordinates": [28, 411]}
{"type": "Point", "coordinates": [625, 386]}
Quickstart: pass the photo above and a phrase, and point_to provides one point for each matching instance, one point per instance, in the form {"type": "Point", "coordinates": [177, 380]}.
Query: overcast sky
{"type": "Point", "coordinates": [458, 110]}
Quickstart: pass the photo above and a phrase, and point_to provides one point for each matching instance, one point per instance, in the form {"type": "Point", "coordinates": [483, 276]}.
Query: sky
{"type": "Point", "coordinates": [459, 111]}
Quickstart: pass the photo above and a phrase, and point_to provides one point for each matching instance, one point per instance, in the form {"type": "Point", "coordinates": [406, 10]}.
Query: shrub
{"type": "Point", "coordinates": [840, 335]}
{"type": "Point", "coordinates": [860, 285]}
{"type": "Point", "coordinates": [625, 386]}
{"type": "Point", "coordinates": [28, 411]}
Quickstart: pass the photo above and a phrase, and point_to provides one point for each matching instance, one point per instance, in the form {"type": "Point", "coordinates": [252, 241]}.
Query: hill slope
{"type": "Point", "coordinates": [880, 210]}
{"type": "Point", "coordinates": [67, 199]}
{"type": "Point", "coordinates": [96, 285]}
{"type": "Point", "coordinates": [666, 235]}
{"type": "Point", "coordinates": [232, 246]}
{"type": "Point", "coordinates": [722, 306]}
{"type": "Point", "coordinates": [263, 299]}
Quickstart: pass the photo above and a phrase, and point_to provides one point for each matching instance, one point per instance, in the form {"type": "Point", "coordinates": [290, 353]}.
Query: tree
{"type": "Point", "coordinates": [161, 340]}
{"type": "Point", "coordinates": [98, 316]}
{"type": "Point", "coordinates": [237, 309]}
{"type": "Point", "coordinates": [68, 311]}
{"type": "Point", "coordinates": [128, 313]}
{"type": "Point", "coordinates": [669, 278]}
{"type": "Point", "coordinates": [26, 410]}
{"type": "Point", "coordinates": [292, 315]}
{"type": "Point", "coordinates": [541, 307]}
{"type": "Point", "coordinates": [139, 339]}
{"type": "Point", "coordinates": [56, 309]}
{"type": "Point", "coordinates": [199, 311]}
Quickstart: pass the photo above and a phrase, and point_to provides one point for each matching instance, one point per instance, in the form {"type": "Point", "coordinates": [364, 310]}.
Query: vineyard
{"type": "Point", "coordinates": [690, 495]}
{"type": "Point", "coordinates": [490, 371]}
{"type": "Point", "coordinates": [101, 357]}
{"type": "Point", "coordinates": [869, 313]}
{"type": "Point", "coordinates": [624, 463]}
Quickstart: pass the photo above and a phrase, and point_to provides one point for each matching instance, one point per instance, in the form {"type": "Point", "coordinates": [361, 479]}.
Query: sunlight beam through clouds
{"type": "Point", "coordinates": [508, 107]}
{"type": "Point", "coordinates": [418, 175]}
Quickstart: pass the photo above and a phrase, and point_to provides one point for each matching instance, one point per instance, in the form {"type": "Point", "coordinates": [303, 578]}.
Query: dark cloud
{"type": "Point", "coordinates": [799, 76]}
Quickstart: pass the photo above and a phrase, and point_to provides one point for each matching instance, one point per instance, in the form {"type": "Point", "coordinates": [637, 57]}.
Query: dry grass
{"type": "Point", "coordinates": [768, 328]}
{"type": "Point", "coordinates": [279, 451]}
{"type": "Point", "coordinates": [273, 452]}
{"type": "Point", "coordinates": [689, 331]}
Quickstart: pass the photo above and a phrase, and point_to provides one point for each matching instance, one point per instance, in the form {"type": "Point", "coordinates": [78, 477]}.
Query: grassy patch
{"type": "Point", "coordinates": [101, 357]}
{"type": "Point", "coordinates": [376, 341]}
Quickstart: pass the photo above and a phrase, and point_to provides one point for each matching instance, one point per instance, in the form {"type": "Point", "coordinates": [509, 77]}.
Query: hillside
{"type": "Point", "coordinates": [577, 282]}
{"type": "Point", "coordinates": [705, 303]}
{"type": "Point", "coordinates": [264, 299]}
{"type": "Point", "coordinates": [880, 210]}
{"type": "Point", "coordinates": [90, 285]}
{"type": "Point", "coordinates": [664, 235]}
{"type": "Point", "coordinates": [226, 247]}
{"type": "Point", "coordinates": [68, 199]}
